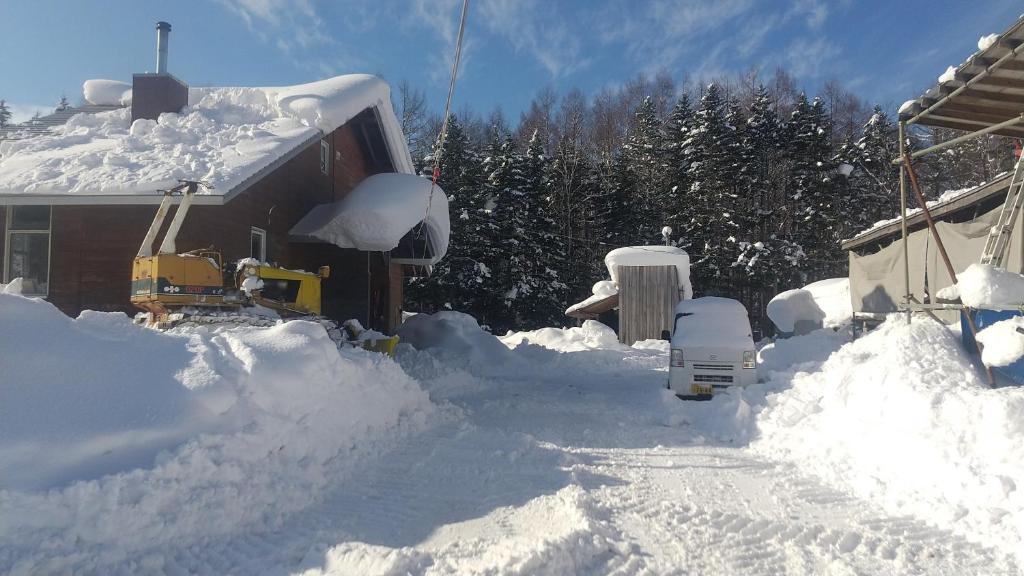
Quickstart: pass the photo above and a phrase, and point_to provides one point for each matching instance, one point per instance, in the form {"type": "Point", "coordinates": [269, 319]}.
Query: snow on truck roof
{"type": "Point", "coordinates": [711, 321]}
{"type": "Point", "coordinates": [225, 137]}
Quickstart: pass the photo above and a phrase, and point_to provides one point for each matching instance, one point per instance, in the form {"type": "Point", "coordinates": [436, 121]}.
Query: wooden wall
{"type": "Point", "coordinates": [647, 301]}
{"type": "Point", "coordinates": [92, 247]}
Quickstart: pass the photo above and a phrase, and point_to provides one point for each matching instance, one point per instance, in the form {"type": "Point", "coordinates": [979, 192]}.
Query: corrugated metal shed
{"type": "Point", "coordinates": [985, 90]}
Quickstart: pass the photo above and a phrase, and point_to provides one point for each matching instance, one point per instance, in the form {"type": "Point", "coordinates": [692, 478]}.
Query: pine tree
{"type": "Point", "coordinates": [454, 280]}
{"type": "Point", "coordinates": [63, 104]}
{"type": "Point", "coordinates": [711, 197]}
{"type": "Point", "coordinates": [870, 193]}
{"type": "Point", "coordinates": [675, 134]}
{"type": "Point", "coordinates": [643, 154]}
{"type": "Point", "coordinates": [574, 184]}
{"type": "Point", "coordinates": [812, 190]}
{"type": "Point", "coordinates": [5, 114]}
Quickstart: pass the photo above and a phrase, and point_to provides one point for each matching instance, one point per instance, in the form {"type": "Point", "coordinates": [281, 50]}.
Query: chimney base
{"type": "Point", "coordinates": [154, 94]}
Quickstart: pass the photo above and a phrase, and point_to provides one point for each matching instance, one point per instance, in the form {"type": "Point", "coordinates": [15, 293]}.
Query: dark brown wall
{"type": "Point", "coordinates": [93, 246]}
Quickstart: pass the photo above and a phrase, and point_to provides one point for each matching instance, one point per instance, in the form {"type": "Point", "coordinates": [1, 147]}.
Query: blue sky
{"type": "Point", "coordinates": [886, 51]}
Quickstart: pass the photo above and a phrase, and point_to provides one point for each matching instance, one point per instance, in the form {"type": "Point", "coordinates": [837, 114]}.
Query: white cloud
{"type": "Point", "coordinates": [535, 28]}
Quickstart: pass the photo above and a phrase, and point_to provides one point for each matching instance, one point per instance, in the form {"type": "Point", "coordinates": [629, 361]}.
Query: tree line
{"type": "Point", "coordinates": [758, 180]}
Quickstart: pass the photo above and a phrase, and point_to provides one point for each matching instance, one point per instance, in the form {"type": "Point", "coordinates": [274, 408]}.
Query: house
{"type": "Point", "coordinates": [301, 176]}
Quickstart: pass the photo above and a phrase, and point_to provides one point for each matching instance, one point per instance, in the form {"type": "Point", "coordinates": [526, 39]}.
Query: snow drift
{"type": "Point", "coordinates": [159, 438]}
{"type": "Point", "coordinates": [985, 286]}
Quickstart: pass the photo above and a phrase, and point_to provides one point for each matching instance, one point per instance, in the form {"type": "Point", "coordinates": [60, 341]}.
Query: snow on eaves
{"type": "Point", "coordinates": [224, 137]}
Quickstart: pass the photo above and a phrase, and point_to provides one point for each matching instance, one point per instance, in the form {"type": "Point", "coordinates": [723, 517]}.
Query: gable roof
{"type": "Point", "coordinates": [226, 137]}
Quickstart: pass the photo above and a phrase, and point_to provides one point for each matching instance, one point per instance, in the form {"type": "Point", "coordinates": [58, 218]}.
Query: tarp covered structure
{"type": "Point", "coordinates": [379, 214]}
{"type": "Point", "coordinates": [877, 262]}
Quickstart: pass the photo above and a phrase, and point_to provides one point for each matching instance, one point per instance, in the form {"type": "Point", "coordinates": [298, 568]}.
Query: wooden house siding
{"type": "Point", "coordinates": [92, 246]}
{"type": "Point", "coordinates": [647, 301]}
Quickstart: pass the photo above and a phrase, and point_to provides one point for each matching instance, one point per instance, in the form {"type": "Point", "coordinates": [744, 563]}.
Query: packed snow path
{"type": "Point", "coordinates": [571, 467]}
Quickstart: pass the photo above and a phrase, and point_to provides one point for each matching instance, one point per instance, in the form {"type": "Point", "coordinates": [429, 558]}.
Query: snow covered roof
{"type": "Point", "coordinates": [980, 92]}
{"type": "Point", "coordinates": [712, 322]}
{"type": "Point", "coordinates": [378, 213]}
{"type": "Point", "coordinates": [652, 256]}
{"type": "Point", "coordinates": [227, 137]}
{"type": "Point", "coordinates": [948, 202]}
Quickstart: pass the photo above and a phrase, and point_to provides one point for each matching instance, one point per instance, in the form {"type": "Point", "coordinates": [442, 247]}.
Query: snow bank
{"type": "Point", "coordinates": [223, 137]}
{"type": "Point", "coordinates": [833, 298]}
{"type": "Point", "coordinates": [593, 335]}
{"type": "Point", "coordinates": [107, 92]}
{"type": "Point", "coordinates": [986, 42]}
{"type": "Point", "coordinates": [12, 287]}
{"type": "Point", "coordinates": [652, 256]}
{"type": "Point", "coordinates": [795, 311]}
{"type": "Point", "coordinates": [1002, 344]}
{"type": "Point", "coordinates": [985, 286]}
{"type": "Point", "coordinates": [454, 338]}
{"type": "Point", "coordinates": [906, 106]}
{"type": "Point", "coordinates": [901, 417]}
{"type": "Point", "coordinates": [381, 210]}
{"type": "Point", "coordinates": [201, 433]}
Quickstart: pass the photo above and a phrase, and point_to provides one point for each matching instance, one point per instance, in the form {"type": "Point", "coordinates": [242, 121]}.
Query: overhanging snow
{"type": "Point", "coordinates": [378, 213]}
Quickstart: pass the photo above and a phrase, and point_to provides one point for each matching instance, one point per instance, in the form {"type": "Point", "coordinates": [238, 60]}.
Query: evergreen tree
{"type": "Point", "coordinates": [5, 114]}
{"type": "Point", "coordinates": [63, 104]}
{"type": "Point", "coordinates": [871, 192]}
{"type": "Point", "coordinates": [677, 181]}
{"type": "Point", "coordinates": [711, 150]}
{"type": "Point", "coordinates": [574, 185]}
{"type": "Point", "coordinates": [454, 282]}
{"type": "Point", "coordinates": [643, 154]}
{"type": "Point", "coordinates": [812, 190]}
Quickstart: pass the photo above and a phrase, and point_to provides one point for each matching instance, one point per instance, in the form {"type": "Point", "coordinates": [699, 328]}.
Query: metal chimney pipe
{"type": "Point", "coordinates": [163, 30]}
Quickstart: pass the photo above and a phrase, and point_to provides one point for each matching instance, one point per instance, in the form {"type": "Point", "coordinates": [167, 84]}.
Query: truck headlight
{"type": "Point", "coordinates": [677, 357]}
{"type": "Point", "coordinates": [749, 359]}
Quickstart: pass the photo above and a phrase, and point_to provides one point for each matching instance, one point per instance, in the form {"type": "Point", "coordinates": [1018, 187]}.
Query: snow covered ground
{"type": "Point", "coordinates": [549, 452]}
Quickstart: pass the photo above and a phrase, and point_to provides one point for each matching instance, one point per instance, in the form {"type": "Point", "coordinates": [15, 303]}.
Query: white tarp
{"type": "Point", "coordinates": [378, 212]}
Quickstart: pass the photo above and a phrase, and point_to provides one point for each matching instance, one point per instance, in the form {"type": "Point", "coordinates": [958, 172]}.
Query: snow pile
{"type": "Point", "coordinates": [985, 286]}
{"type": "Point", "coordinates": [593, 335]}
{"type": "Point", "coordinates": [198, 433]}
{"type": "Point", "coordinates": [652, 256]}
{"type": "Point", "coordinates": [803, 352]}
{"type": "Point", "coordinates": [223, 137]}
{"type": "Point", "coordinates": [712, 322]}
{"type": "Point", "coordinates": [12, 287]}
{"type": "Point", "coordinates": [454, 338]}
{"type": "Point", "coordinates": [986, 42]}
{"type": "Point", "coordinates": [107, 92]}
{"type": "Point", "coordinates": [602, 290]}
{"type": "Point", "coordinates": [376, 215]}
{"type": "Point", "coordinates": [948, 76]}
{"type": "Point", "coordinates": [795, 311]}
{"type": "Point", "coordinates": [901, 417]}
{"type": "Point", "coordinates": [1002, 344]}
{"type": "Point", "coordinates": [906, 106]}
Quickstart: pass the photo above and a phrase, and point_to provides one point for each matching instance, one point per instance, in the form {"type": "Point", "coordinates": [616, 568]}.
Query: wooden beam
{"type": "Point", "coordinates": [931, 120]}
{"type": "Point", "coordinates": [998, 82]}
{"type": "Point", "coordinates": [976, 113]}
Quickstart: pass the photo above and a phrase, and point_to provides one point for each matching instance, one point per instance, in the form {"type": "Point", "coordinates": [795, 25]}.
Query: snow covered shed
{"type": "Point", "coordinates": [963, 220]}
{"type": "Point", "coordinates": [76, 199]}
{"type": "Point", "coordinates": [646, 284]}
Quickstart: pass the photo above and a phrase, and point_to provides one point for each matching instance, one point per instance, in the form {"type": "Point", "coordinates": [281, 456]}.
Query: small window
{"type": "Point", "coordinates": [28, 248]}
{"type": "Point", "coordinates": [258, 244]}
{"type": "Point", "coordinates": [325, 156]}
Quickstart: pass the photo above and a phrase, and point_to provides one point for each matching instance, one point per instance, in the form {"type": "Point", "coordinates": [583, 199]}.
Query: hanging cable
{"type": "Point", "coordinates": [436, 173]}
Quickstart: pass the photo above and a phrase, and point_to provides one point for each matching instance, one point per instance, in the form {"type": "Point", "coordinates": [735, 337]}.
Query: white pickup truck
{"type": "Point", "coordinates": [712, 348]}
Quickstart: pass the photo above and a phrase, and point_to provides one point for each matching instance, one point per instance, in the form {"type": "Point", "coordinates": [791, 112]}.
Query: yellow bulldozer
{"type": "Point", "coordinates": [171, 287]}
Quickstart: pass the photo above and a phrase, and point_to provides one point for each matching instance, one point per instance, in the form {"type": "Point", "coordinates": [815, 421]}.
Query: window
{"type": "Point", "coordinates": [258, 244]}
{"type": "Point", "coordinates": [28, 248]}
{"type": "Point", "coordinates": [325, 156]}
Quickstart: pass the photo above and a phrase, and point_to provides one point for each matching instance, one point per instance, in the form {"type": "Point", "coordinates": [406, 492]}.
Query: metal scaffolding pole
{"type": "Point", "coordinates": [903, 220]}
